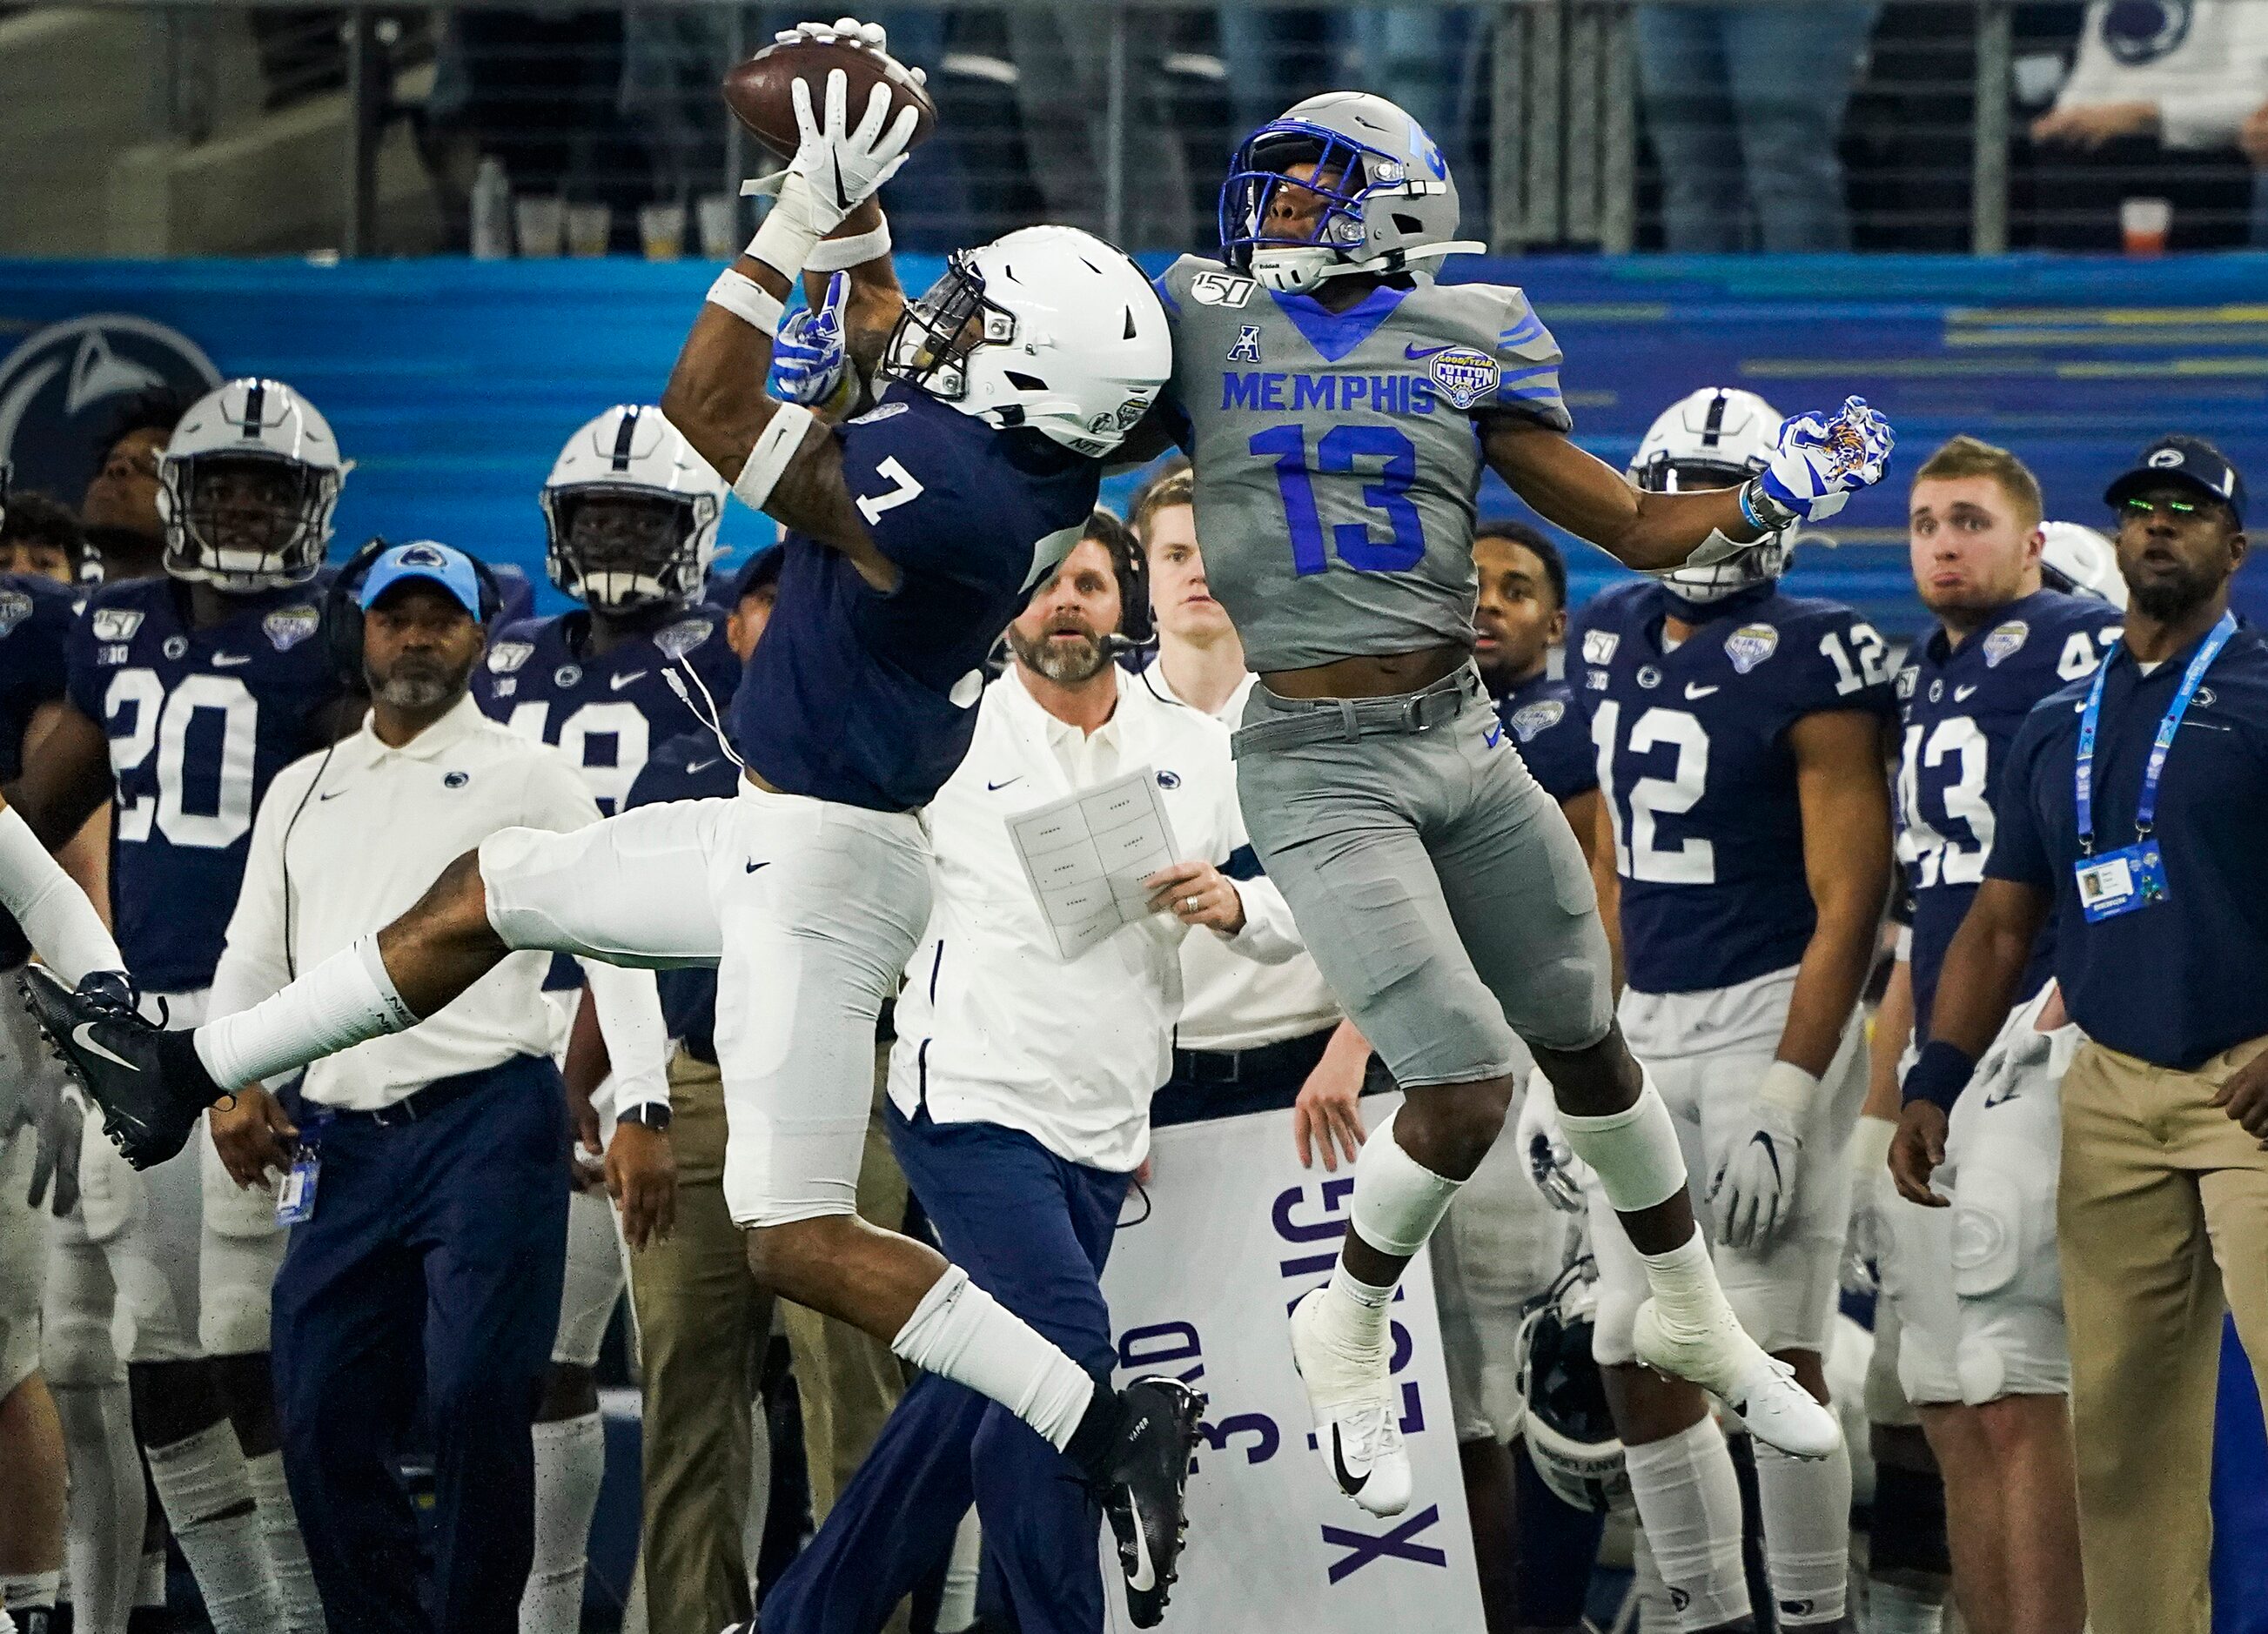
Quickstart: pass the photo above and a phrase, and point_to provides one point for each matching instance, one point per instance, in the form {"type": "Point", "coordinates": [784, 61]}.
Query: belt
{"type": "Point", "coordinates": [1349, 720]}
{"type": "Point", "coordinates": [421, 1104]}
{"type": "Point", "coordinates": [1258, 1064]}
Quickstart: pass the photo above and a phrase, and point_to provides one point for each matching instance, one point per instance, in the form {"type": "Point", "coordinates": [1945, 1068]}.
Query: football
{"type": "Point", "coordinates": [758, 93]}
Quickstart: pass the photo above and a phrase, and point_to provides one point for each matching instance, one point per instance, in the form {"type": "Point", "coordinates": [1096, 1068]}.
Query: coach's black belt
{"type": "Point", "coordinates": [1260, 1064]}
{"type": "Point", "coordinates": [419, 1104]}
{"type": "Point", "coordinates": [1348, 720]}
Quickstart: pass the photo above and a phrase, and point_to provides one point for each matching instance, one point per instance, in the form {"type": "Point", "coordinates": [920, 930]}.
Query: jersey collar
{"type": "Point", "coordinates": [463, 719]}
{"type": "Point", "coordinates": [1335, 334]}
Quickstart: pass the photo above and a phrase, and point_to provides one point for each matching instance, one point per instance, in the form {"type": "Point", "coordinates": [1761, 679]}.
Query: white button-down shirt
{"type": "Point", "coordinates": [347, 839]}
{"type": "Point", "coordinates": [993, 1026]}
{"type": "Point", "coordinates": [1236, 1003]}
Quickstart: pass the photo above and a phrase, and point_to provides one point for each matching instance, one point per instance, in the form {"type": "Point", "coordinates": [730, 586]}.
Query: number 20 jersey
{"type": "Point", "coordinates": [1695, 766]}
{"type": "Point", "coordinates": [200, 721]}
{"type": "Point", "coordinates": [1335, 456]}
{"type": "Point", "coordinates": [1962, 706]}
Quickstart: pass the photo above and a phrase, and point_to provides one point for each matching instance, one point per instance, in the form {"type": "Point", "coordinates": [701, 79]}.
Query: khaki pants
{"type": "Point", "coordinates": [2163, 1219]}
{"type": "Point", "coordinates": [703, 1323]}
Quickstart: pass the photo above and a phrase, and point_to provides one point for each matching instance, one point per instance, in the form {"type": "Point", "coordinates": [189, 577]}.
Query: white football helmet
{"type": "Point", "coordinates": [1048, 328]}
{"type": "Point", "coordinates": [2079, 560]}
{"type": "Point", "coordinates": [656, 550]}
{"type": "Point", "coordinates": [266, 433]}
{"type": "Point", "coordinates": [1719, 436]}
{"type": "Point", "coordinates": [1379, 190]}
{"type": "Point", "coordinates": [1570, 1431]}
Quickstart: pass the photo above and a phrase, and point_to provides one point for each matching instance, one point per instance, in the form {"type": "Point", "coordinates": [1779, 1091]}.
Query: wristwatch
{"type": "Point", "coordinates": [653, 1115]}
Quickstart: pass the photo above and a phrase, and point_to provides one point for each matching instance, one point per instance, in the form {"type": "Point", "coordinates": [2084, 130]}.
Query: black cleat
{"type": "Point", "coordinates": [149, 1082]}
{"type": "Point", "coordinates": [1143, 1490]}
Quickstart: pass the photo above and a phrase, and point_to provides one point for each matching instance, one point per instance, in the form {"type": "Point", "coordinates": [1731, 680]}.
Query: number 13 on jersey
{"type": "Point", "coordinates": [1335, 454]}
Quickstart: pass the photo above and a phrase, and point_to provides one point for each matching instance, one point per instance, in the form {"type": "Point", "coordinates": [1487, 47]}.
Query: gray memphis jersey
{"type": "Point", "coordinates": [1336, 457]}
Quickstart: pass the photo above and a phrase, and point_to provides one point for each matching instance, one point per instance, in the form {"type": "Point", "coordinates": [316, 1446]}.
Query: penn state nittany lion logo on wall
{"type": "Point", "coordinates": [59, 388]}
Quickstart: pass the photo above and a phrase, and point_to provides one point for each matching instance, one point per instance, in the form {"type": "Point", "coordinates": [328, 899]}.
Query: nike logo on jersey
{"type": "Point", "coordinates": [1418, 354]}
{"type": "Point", "coordinates": [1693, 690]}
{"type": "Point", "coordinates": [229, 660]}
{"type": "Point", "coordinates": [333, 795]}
{"type": "Point", "coordinates": [1961, 694]}
{"type": "Point", "coordinates": [701, 766]}
{"type": "Point", "coordinates": [83, 1035]}
{"type": "Point", "coordinates": [995, 788]}
{"type": "Point", "coordinates": [620, 681]}
{"type": "Point", "coordinates": [755, 866]}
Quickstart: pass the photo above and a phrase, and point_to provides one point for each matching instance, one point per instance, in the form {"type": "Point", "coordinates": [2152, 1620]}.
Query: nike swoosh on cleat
{"type": "Point", "coordinates": [754, 866]}
{"type": "Point", "coordinates": [83, 1035]}
{"type": "Point", "coordinates": [1348, 1481]}
{"type": "Point", "coordinates": [1144, 1577]}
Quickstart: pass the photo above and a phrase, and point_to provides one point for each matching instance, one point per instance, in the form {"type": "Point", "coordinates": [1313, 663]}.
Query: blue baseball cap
{"type": "Point", "coordinates": [2188, 462]}
{"type": "Point", "coordinates": [424, 558]}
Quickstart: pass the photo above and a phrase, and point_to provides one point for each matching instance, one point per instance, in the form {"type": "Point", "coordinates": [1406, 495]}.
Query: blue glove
{"type": "Point", "coordinates": [1819, 464]}
{"type": "Point", "coordinates": [809, 363]}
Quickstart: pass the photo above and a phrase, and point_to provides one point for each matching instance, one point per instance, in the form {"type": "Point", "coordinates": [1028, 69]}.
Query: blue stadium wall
{"type": "Point", "coordinates": [452, 384]}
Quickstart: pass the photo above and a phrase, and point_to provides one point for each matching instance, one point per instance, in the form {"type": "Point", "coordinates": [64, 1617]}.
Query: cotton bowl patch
{"type": "Point", "coordinates": [287, 627]}
{"type": "Point", "coordinates": [2005, 641]}
{"type": "Point", "coordinates": [1464, 375]}
{"type": "Point", "coordinates": [1750, 645]}
{"type": "Point", "coordinates": [1532, 718]}
{"type": "Point", "coordinates": [15, 608]}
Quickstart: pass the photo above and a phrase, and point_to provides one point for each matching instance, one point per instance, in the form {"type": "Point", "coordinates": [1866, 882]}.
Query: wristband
{"type": "Point", "coordinates": [1939, 1076]}
{"type": "Point", "coordinates": [842, 254]}
{"type": "Point", "coordinates": [1870, 1148]}
{"type": "Point", "coordinates": [748, 300]}
{"type": "Point", "coordinates": [1788, 1089]}
{"type": "Point", "coordinates": [1760, 509]}
{"type": "Point", "coordinates": [792, 228]}
{"type": "Point", "coordinates": [774, 446]}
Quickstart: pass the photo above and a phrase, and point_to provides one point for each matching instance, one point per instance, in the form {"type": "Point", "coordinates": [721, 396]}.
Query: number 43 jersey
{"type": "Point", "coordinates": [200, 722]}
{"type": "Point", "coordinates": [1696, 770]}
{"type": "Point", "coordinates": [1337, 461]}
{"type": "Point", "coordinates": [1962, 706]}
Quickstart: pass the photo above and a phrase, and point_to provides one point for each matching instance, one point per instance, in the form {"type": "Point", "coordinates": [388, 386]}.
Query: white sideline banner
{"type": "Point", "coordinates": [1198, 1289]}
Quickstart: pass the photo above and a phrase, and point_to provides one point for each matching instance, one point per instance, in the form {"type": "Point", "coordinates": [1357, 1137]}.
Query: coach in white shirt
{"type": "Point", "coordinates": [429, 1166]}
{"type": "Point", "coordinates": [1019, 1098]}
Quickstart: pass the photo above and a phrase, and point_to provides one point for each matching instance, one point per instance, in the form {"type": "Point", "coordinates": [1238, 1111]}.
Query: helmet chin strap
{"type": "Point", "coordinates": [1296, 269]}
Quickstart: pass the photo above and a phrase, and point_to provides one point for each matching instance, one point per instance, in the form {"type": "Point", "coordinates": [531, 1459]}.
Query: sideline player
{"type": "Point", "coordinates": [1741, 733]}
{"type": "Point", "coordinates": [1338, 407]}
{"type": "Point", "coordinates": [189, 692]}
{"type": "Point", "coordinates": [914, 531]}
{"type": "Point", "coordinates": [630, 516]}
{"type": "Point", "coordinates": [1978, 1287]}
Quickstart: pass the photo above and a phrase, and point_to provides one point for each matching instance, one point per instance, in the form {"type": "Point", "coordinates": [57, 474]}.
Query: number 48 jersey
{"type": "Point", "coordinates": [1962, 706]}
{"type": "Point", "coordinates": [1697, 775]}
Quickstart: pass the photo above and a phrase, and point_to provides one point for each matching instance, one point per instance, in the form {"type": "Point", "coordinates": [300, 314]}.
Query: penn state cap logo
{"type": "Point", "coordinates": [1221, 289]}
{"type": "Point", "coordinates": [1599, 646]}
{"type": "Point", "coordinates": [674, 642]}
{"type": "Point", "coordinates": [1750, 645]}
{"type": "Point", "coordinates": [422, 555]}
{"type": "Point", "coordinates": [1464, 375]}
{"type": "Point", "coordinates": [507, 656]}
{"type": "Point", "coordinates": [1532, 718]}
{"type": "Point", "coordinates": [456, 780]}
{"type": "Point", "coordinates": [287, 627]}
{"type": "Point", "coordinates": [15, 608]}
{"type": "Point", "coordinates": [59, 388]}
{"type": "Point", "coordinates": [2005, 641]}
{"type": "Point", "coordinates": [1169, 780]}
{"type": "Point", "coordinates": [115, 623]}
{"type": "Point", "coordinates": [2165, 457]}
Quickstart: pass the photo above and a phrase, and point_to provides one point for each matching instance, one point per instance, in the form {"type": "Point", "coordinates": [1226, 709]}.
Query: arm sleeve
{"type": "Point", "coordinates": [1268, 937]}
{"type": "Point", "coordinates": [2019, 850]}
{"type": "Point", "coordinates": [256, 962]}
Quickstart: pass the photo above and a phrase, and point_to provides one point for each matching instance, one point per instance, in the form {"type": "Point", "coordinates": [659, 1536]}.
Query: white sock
{"type": "Point", "coordinates": [961, 1333]}
{"type": "Point", "coordinates": [1689, 1498]}
{"type": "Point", "coordinates": [29, 1590]}
{"type": "Point", "coordinates": [1687, 1296]}
{"type": "Point", "coordinates": [1351, 1317]}
{"type": "Point", "coordinates": [571, 1462]}
{"type": "Point", "coordinates": [1903, 1608]}
{"type": "Point", "coordinates": [207, 1492]}
{"type": "Point", "coordinates": [1805, 1508]}
{"type": "Point", "coordinates": [108, 1505]}
{"type": "Point", "coordinates": [956, 1603]}
{"type": "Point", "coordinates": [760, 1492]}
{"type": "Point", "coordinates": [1655, 1614]}
{"type": "Point", "coordinates": [58, 921]}
{"type": "Point", "coordinates": [287, 1550]}
{"type": "Point", "coordinates": [345, 999]}
{"type": "Point", "coordinates": [1635, 1152]}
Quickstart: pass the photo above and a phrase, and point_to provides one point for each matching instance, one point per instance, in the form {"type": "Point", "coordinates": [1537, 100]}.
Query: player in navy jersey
{"type": "Point", "coordinates": [1739, 733]}
{"type": "Point", "coordinates": [915, 533]}
{"type": "Point", "coordinates": [1978, 1287]}
{"type": "Point", "coordinates": [187, 693]}
{"type": "Point", "coordinates": [1520, 615]}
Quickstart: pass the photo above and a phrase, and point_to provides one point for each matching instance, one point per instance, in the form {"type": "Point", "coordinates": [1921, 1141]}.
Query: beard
{"type": "Point", "coordinates": [417, 684]}
{"type": "Point", "coordinates": [1066, 663]}
{"type": "Point", "coordinates": [2169, 600]}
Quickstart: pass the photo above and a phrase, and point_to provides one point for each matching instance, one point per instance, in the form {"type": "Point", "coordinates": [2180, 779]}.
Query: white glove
{"type": "Point", "coordinates": [1551, 1163]}
{"type": "Point", "coordinates": [1819, 464]}
{"type": "Point", "coordinates": [1868, 1238]}
{"type": "Point", "coordinates": [847, 30]}
{"type": "Point", "coordinates": [1753, 1193]}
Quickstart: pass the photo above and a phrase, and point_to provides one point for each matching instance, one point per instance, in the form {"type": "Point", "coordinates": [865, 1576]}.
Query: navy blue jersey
{"type": "Point", "coordinates": [869, 697]}
{"type": "Point", "coordinates": [1693, 762]}
{"type": "Point", "coordinates": [603, 713]}
{"type": "Point", "coordinates": [1548, 725]}
{"type": "Point", "coordinates": [200, 721]}
{"type": "Point", "coordinates": [35, 622]}
{"type": "Point", "coordinates": [688, 767]}
{"type": "Point", "coordinates": [1962, 706]}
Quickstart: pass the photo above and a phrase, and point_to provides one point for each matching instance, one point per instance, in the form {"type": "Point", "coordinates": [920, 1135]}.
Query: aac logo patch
{"type": "Point", "coordinates": [1599, 646]}
{"type": "Point", "coordinates": [507, 656]}
{"type": "Point", "coordinates": [1221, 289]}
{"type": "Point", "coordinates": [2005, 641]}
{"type": "Point", "coordinates": [1465, 375]}
{"type": "Point", "coordinates": [1750, 645]}
{"type": "Point", "coordinates": [287, 627]}
{"type": "Point", "coordinates": [1247, 349]}
{"type": "Point", "coordinates": [1532, 718]}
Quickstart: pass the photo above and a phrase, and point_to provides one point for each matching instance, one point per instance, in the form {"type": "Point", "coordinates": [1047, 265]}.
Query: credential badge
{"type": "Point", "coordinates": [116, 624]}
{"type": "Point", "coordinates": [1464, 375]}
{"type": "Point", "coordinates": [507, 656]}
{"type": "Point", "coordinates": [1247, 349]}
{"type": "Point", "coordinates": [1221, 289]}
{"type": "Point", "coordinates": [15, 608]}
{"type": "Point", "coordinates": [1750, 645]}
{"type": "Point", "coordinates": [1599, 646]}
{"type": "Point", "coordinates": [2004, 642]}
{"type": "Point", "coordinates": [681, 638]}
{"type": "Point", "coordinates": [1531, 718]}
{"type": "Point", "coordinates": [287, 627]}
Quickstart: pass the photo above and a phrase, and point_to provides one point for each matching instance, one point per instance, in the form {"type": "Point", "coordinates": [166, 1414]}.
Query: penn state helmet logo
{"type": "Point", "coordinates": [59, 388]}
{"type": "Point", "coordinates": [1464, 375]}
{"type": "Point", "coordinates": [1750, 645]}
{"type": "Point", "coordinates": [2004, 643]}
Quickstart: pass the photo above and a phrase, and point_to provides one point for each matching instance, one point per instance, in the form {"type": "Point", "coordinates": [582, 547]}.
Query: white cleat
{"type": "Point", "coordinates": [1760, 1391]}
{"type": "Point", "coordinates": [1355, 1414]}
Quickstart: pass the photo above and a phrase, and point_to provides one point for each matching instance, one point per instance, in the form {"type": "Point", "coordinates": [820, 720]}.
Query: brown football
{"type": "Point", "coordinates": [758, 93]}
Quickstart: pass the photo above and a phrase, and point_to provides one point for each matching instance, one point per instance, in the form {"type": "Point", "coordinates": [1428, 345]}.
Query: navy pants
{"type": "Point", "coordinates": [1033, 1230]}
{"type": "Point", "coordinates": [430, 1271]}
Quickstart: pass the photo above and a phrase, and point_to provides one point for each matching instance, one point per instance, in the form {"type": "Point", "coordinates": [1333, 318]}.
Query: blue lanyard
{"type": "Point", "coordinates": [2146, 808]}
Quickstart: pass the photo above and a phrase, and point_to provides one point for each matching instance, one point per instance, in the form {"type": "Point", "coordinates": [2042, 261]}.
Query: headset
{"type": "Point", "coordinates": [342, 614]}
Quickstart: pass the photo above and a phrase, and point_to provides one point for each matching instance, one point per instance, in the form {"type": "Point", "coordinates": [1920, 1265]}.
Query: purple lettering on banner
{"type": "Point", "coordinates": [1336, 1192]}
{"type": "Point", "coordinates": [1154, 1348]}
{"type": "Point", "coordinates": [1362, 1548]}
{"type": "Point", "coordinates": [1266, 1437]}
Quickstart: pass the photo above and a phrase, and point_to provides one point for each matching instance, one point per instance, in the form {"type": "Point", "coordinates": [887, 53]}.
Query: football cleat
{"type": "Point", "coordinates": [1356, 1421]}
{"type": "Point", "coordinates": [1145, 1488]}
{"type": "Point", "coordinates": [1759, 1390]}
{"type": "Point", "coordinates": [149, 1082]}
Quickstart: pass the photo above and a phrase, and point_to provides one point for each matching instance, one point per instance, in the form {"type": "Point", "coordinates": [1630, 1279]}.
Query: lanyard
{"type": "Point", "coordinates": [2146, 808]}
